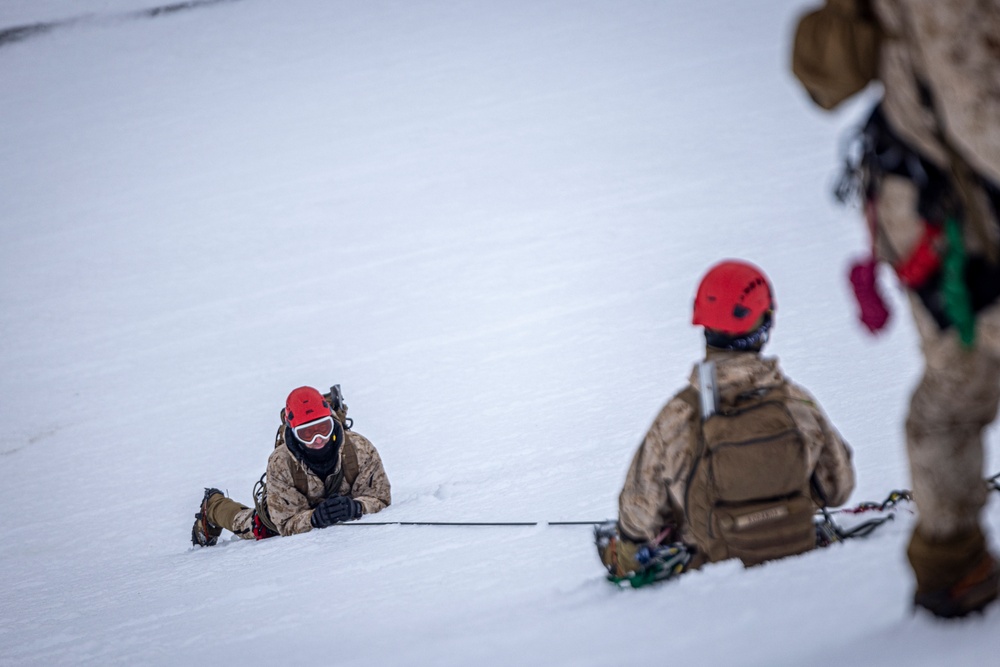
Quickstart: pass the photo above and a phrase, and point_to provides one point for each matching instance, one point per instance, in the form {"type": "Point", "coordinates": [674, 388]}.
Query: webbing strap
{"type": "Point", "coordinates": [260, 502]}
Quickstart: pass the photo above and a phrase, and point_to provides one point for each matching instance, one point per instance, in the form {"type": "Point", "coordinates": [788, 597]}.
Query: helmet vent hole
{"type": "Point", "coordinates": [739, 311]}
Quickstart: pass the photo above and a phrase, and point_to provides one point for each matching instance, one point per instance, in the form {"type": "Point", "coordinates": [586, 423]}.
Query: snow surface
{"type": "Point", "coordinates": [486, 221]}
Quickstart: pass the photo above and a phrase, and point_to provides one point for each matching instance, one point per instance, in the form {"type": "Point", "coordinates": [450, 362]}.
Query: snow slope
{"type": "Point", "coordinates": [486, 221]}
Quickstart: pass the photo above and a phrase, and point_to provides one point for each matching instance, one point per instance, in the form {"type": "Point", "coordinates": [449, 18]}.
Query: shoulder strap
{"type": "Point", "coordinates": [690, 396]}
{"type": "Point", "coordinates": [350, 462]}
{"type": "Point", "coordinates": [299, 479]}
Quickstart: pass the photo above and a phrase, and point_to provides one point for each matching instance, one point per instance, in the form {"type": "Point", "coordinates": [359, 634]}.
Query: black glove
{"type": "Point", "coordinates": [334, 510]}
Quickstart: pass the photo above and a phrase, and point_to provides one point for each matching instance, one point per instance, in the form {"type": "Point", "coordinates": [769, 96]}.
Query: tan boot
{"type": "Point", "coordinates": [955, 576]}
{"type": "Point", "coordinates": [205, 533]}
{"type": "Point", "coordinates": [616, 552]}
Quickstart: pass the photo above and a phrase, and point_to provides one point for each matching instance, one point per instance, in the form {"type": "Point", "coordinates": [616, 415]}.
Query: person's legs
{"type": "Point", "coordinates": [956, 398]}
{"type": "Point", "coordinates": [218, 512]}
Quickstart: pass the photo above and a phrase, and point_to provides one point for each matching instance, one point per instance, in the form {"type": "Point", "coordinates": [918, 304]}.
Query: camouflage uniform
{"type": "Point", "coordinates": [955, 48]}
{"type": "Point", "coordinates": [293, 490]}
{"type": "Point", "coordinates": [655, 488]}
{"type": "Point", "coordinates": [952, 48]}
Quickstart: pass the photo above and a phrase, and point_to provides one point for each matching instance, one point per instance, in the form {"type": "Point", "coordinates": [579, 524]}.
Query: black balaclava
{"type": "Point", "coordinates": [321, 461]}
{"type": "Point", "coordinates": [750, 342]}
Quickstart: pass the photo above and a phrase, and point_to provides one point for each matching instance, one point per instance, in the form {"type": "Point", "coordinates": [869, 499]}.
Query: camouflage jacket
{"type": "Point", "coordinates": [952, 48]}
{"type": "Point", "coordinates": [653, 496]}
{"type": "Point", "coordinates": [293, 490]}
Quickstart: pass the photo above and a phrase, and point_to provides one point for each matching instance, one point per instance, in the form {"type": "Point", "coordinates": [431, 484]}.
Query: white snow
{"type": "Point", "coordinates": [485, 221]}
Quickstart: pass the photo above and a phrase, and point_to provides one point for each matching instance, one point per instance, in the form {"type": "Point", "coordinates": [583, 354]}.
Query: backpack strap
{"type": "Point", "coordinates": [691, 396]}
{"type": "Point", "coordinates": [349, 462]}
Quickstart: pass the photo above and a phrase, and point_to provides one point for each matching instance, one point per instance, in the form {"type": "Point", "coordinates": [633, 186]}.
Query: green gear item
{"type": "Point", "coordinates": [957, 300]}
{"type": "Point", "coordinates": [657, 564]}
{"type": "Point", "coordinates": [641, 578]}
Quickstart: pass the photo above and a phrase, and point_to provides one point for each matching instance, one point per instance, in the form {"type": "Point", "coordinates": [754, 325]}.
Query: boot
{"type": "Point", "coordinates": [956, 576]}
{"type": "Point", "coordinates": [204, 533]}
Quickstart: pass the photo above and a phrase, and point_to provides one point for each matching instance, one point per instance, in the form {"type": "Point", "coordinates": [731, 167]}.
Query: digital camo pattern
{"type": "Point", "coordinates": [954, 47]}
{"type": "Point", "coordinates": [655, 486]}
{"type": "Point", "coordinates": [293, 490]}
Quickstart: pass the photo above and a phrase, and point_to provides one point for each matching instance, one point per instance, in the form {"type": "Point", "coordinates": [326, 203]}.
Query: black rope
{"type": "Point", "coordinates": [828, 532]}
{"type": "Point", "coordinates": [891, 500]}
{"type": "Point", "coordinates": [473, 523]}
{"type": "Point", "coordinates": [833, 530]}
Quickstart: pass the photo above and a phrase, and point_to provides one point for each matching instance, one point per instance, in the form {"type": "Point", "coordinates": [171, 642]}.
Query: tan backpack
{"type": "Point", "coordinates": [836, 50]}
{"type": "Point", "coordinates": [748, 492]}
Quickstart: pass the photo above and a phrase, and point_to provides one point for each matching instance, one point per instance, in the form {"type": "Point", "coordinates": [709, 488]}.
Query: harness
{"type": "Point", "coordinates": [953, 284]}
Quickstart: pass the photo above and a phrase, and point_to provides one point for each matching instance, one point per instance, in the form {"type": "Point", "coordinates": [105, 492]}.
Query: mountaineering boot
{"type": "Point", "coordinates": [617, 553]}
{"type": "Point", "coordinates": [954, 577]}
{"type": "Point", "coordinates": [204, 533]}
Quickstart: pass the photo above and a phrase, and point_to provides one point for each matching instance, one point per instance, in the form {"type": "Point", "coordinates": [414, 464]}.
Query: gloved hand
{"type": "Point", "coordinates": [334, 510]}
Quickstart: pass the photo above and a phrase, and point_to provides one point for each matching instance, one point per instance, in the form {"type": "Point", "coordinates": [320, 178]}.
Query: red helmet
{"type": "Point", "coordinates": [305, 404]}
{"type": "Point", "coordinates": [732, 298]}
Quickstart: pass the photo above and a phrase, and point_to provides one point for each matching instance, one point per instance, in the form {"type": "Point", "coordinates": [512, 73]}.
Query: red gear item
{"type": "Point", "coordinates": [305, 404]}
{"type": "Point", "coordinates": [923, 262]}
{"type": "Point", "coordinates": [732, 298]}
{"type": "Point", "coordinates": [873, 312]}
{"type": "Point", "coordinates": [260, 529]}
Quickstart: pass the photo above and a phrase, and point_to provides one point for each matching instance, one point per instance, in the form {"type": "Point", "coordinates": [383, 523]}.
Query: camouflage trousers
{"type": "Point", "coordinates": [231, 515]}
{"type": "Point", "coordinates": [957, 397]}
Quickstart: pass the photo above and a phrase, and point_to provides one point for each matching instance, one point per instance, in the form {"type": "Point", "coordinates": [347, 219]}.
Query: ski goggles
{"type": "Point", "coordinates": [310, 432]}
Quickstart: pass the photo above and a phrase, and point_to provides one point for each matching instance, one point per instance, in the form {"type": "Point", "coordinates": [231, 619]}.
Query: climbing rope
{"type": "Point", "coordinates": [827, 530]}
{"type": "Point", "coordinates": [471, 523]}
